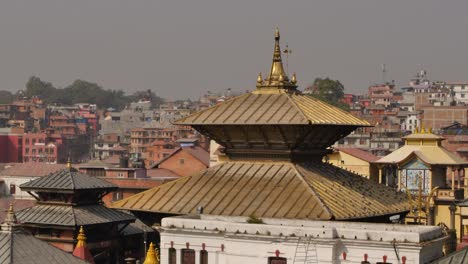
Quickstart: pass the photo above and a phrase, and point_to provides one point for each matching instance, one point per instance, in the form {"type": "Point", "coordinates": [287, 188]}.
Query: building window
{"type": "Point", "coordinates": [116, 196]}
{"type": "Point", "coordinates": [121, 175]}
{"type": "Point", "coordinates": [172, 256]}
{"type": "Point", "coordinates": [12, 189]}
{"type": "Point", "coordinates": [462, 95]}
{"type": "Point", "coordinates": [27, 150]}
{"type": "Point", "coordinates": [181, 161]}
{"type": "Point", "coordinates": [203, 257]}
{"type": "Point", "coordinates": [188, 256]}
{"type": "Point", "coordinates": [277, 260]}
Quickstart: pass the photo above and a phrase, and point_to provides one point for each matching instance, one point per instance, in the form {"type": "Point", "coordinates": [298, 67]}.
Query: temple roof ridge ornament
{"type": "Point", "coordinates": [278, 78]}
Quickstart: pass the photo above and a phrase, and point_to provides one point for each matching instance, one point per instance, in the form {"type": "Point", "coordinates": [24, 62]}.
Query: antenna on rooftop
{"type": "Point", "coordinates": [384, 73]}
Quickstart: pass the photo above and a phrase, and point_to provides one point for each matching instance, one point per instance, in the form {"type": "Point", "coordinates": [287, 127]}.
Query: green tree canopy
{"type": "Point", "coordinates": [329, 91]}
{"type": "Point", "coordinates": [81, 91]}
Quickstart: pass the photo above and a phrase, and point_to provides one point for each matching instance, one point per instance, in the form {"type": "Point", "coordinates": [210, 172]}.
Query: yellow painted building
{"type": "Point", "coordinates": [354, 160]}
{"type": "Point", "coordinates": [423, 165]}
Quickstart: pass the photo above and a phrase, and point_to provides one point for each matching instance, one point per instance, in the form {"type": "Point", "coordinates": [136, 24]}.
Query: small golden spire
{"type": "Point", "coordinates": [152, 255]}
{"type": "Point", "coordinates": [293, 79]}
{"type": "Point", "coordinates": [259, 78]}
{"type": "Point", "coordinates": [81, 238]}
{"type": "Point", "coordinates": [423, 131]}
{"type": "Point", "coordinates": [429, 130]}
{"type": "Point", "coordinates": [11, 216]}
{"type": "Point", "coordinates": [416, 130]}
{"type": "Point", "coordinates": [69, 163]}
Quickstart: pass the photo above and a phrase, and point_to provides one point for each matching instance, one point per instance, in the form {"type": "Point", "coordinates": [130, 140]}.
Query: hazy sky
{"type": "Point", "coordinates": [182, 49]}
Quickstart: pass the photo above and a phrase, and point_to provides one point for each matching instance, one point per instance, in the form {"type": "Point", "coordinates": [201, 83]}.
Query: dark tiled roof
{"type": "Point", "coordinates": [67, 180]}
{"type": "Point", "coordinates": [316, 191]}
{"type": "Point", "coordinates": [21, 247]}
{"type": "Point", "coordinates": [72, 216]}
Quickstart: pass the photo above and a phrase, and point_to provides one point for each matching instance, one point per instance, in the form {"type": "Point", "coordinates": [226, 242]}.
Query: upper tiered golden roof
{"type": "Point", "coordinates": [275, 101]}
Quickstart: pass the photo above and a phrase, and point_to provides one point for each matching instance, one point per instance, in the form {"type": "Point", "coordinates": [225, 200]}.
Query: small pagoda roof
{"type": "Point", "coordinates": [72, 216]}
{"type": "Point", "coordinates": [311, 190]}
{"type": "Point", "coordinates": [432, 155]}
{"type": "Point", "coordinates": [67, 180]}
{"type": "Point", "coordinates": [273, 108]}
{"type": "Point", "coordinates": [426, 146]}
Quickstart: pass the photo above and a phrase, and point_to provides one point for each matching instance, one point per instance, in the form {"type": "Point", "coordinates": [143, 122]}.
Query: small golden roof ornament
{"type": "Point", "coordinates": [11, 216]}
{"type": "Point", "coordinates": [69, 163]}
{"type": "Point", "coordinates": [293, 79]}
{"type": "Point", "coordinates": [151, 255]}
{"type": "Point", "coordinates": [259, 78]}
{"type": "Point", "coordinates": [10, 223]}
{"type": "Point", "coordinates": [81, 238]}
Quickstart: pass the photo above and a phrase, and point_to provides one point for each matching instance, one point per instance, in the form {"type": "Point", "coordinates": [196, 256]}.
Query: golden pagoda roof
{"type": "Point", "coordinates": [432, 155]}
{"type": "Point", "coordinates": [275, 101]}
{"type": "Point", "coordinates": [426, 146]}
{"type": "Point", "coordinates": [280, 108]}
{"type": "Point", "coordinates": [316, 191]}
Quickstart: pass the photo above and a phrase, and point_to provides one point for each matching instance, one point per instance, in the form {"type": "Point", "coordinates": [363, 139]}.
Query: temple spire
{"type": "Point", "coordinates": [10, 223]}
{"type": "Point", "coordinates": [81, 250]}
{"type": "Point", "coordinates": [151, 255]}
{"type": "Point", "coordinates": [277, 78]}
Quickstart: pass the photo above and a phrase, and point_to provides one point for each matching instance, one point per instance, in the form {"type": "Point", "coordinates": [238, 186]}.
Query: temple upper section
{"type": "Point", "coordinates": [278, 78]}
{"type": "Point", "coordinates": [275, 120]}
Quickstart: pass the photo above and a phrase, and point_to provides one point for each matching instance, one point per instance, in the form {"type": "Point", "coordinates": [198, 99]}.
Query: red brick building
{"type": "Point", "coordinates": [11, 147]}
{"type": "Point", "coordinates": [41, 147]}
{"type": "Point", "coordinates": [437, 117]}
{"type": "Point", "coordinates": [186, 161]}
{"type": "Point", "coordinates": [158, 150]}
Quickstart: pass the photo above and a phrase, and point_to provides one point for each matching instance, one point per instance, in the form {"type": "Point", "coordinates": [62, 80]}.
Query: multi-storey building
{"type": "Point", "coordinates": [381, 94]}
{"type": "Point", "coordinates": [459, 91]}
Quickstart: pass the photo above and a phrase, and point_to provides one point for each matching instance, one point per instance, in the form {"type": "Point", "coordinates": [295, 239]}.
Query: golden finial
{"type": "Point", "coordinates": [429, 130]}
{"type": "Point", "coordinates": [423, 131]}
{"type": "Point", "coordinates": [277, 34]}
{"type": "Point", "coordinates": [81, 238]}
{"type": "Point", "coordinates": [416, 130]}
{"type": "Point", "coordinates": [11, 217]}
{"type": "Point", "coordinates": [152, 255]}
{"type": "Point", "coordinates": [293, 79]}
{"type": "Point", "coordinates": [259, 78]}
{"type": "Point", "coordinates": [69, 163]}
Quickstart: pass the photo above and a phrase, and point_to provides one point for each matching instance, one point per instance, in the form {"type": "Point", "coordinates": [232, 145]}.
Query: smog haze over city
{"type": "Point", "coordinates": [181, 49]}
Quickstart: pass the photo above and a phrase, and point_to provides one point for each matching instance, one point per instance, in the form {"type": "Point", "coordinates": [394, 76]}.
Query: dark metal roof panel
{"type": "Point", "coordinates": [68, 180]}
{"type": "Point", "coordinates": [5, 247]}
{"type": "Point", "coordinates": [72, 216]}
{"type": "Point", "coordinates": [30, 250]}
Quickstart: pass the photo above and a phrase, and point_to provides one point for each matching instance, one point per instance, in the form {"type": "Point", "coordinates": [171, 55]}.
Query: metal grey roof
{"type": "Point", "coordinates": [67, 180]}
{"type": "Point", "coordinates": [63, 215]}
{"type": "Point", "coordinates": [457, 257]}
{"type": "Point", "coordinates": [21, 247]}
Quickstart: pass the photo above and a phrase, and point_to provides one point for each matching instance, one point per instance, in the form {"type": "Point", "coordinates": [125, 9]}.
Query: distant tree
{"type": "Point", "coordinates": [45, 90]}
{"type": "Point", "coordinates": [81, 91]}
{"type": "Point", "coordinates": [329, 91]}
